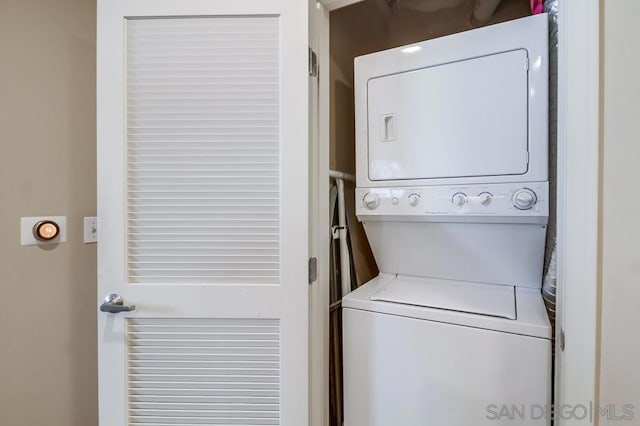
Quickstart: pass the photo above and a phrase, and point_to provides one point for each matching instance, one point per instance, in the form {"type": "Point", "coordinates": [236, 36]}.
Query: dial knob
{"type": "Point", "coordinates": [524, 199]}
{"type": "Point", "coordinates": [371, 201]}
{"type": "Point", "coordinates": [46, 230]}
{"type": "Point", "coordinates": [459, 199]}
{"type": "Point", "coordinates": [485, 198]}
{"type": "Point", "coordinates": [414, 199]}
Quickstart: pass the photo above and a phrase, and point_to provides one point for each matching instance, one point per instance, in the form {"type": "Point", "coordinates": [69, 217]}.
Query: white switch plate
{"type": "Point", "coordinates": [26, 230]}
{"type": "Point", "coordinates": [90, 230]}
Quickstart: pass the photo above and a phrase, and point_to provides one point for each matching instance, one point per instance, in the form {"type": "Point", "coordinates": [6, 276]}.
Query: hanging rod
{"type": "Point", "coordinates": [341, 175]}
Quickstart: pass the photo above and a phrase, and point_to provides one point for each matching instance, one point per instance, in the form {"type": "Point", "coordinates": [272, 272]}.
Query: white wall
{"type": "Point", "coordinates": [620, 299]}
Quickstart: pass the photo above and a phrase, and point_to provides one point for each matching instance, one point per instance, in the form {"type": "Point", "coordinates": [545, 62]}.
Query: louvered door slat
{"type": "Point", "coordinates": [203, 371]}
{"type": "Point", "coordinates": [203, 150]}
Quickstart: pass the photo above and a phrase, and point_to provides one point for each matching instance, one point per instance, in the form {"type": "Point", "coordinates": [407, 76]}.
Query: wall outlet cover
{"type": "Point", "coordinates": [90, 230]}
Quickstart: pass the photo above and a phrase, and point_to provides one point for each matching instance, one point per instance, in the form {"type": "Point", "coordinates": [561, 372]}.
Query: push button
{"type": "Point", "coordinates": [46, 230]}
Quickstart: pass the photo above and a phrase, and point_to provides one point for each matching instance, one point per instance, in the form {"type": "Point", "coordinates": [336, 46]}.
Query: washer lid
{"type": "Point", "coordinates": [532, 319]}
{"type": "Point", "coordinates": [474, 298]}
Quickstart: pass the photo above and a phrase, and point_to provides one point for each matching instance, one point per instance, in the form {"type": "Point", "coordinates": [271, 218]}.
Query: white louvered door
{"type": "Point", "coordinates": [203, 212]}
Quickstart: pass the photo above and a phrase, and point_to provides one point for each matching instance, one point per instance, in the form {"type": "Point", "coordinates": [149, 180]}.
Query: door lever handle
{"type": "Point", "coordinates": [113, 304]}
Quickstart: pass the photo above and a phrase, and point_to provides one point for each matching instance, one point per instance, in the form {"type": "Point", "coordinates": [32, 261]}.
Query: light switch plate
{"type": "Point", "coordinates": [90, 230]}
{"type": "Point", "coordinates": [26, 230]}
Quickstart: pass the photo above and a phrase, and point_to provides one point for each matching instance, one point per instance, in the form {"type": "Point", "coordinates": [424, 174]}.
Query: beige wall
{"type": "Point", "coordinates": [620, 314]}
{"type": "Point", "coordinates": [47, 167]}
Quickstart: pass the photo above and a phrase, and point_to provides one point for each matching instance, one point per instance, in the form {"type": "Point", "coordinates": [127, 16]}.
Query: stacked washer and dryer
{"type": "Point", "coordinates": [452, 189]}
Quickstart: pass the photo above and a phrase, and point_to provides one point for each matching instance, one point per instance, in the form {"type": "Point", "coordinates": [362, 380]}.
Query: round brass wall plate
{"type": "Point", "coordinates": [46, 230]}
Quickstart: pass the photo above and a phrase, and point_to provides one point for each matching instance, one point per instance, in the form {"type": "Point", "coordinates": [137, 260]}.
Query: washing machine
{"type": "Point", "coordinates": [452, 190]}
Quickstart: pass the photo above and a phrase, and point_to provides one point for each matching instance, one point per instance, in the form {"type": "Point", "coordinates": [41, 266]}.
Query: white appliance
{"type": "Point", "coordinates": [451, 151]}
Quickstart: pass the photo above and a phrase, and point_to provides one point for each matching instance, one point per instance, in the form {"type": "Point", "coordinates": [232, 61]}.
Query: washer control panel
{"type": "Point", "coordinates": [497, 200]}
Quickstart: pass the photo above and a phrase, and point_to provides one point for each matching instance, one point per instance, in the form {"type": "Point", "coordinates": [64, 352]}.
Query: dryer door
{"type": "Point", "coordinates": [462, 119]}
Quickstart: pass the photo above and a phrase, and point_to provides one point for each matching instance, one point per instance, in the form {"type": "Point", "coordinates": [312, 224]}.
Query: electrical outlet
{"type": "Point", "coordinates": [90, 230]}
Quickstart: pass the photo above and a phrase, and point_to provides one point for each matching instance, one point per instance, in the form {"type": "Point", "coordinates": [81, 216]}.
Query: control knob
{"type": "Point", "coordinates": [46, 230]}
{"type": "Point", "coordinates": [524, 199]}
{"type": "Point", "coordinates": [459, 199]}
{"type": "Point", "coordinates": [414, 199]}
{"type": "Point", "coordinates": [371, 201]}
{"type": "Point", "coordinates": [485, 198]}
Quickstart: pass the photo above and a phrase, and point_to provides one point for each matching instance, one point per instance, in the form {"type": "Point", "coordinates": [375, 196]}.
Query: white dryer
{"type": "Point", "coordinates": [451, 151]}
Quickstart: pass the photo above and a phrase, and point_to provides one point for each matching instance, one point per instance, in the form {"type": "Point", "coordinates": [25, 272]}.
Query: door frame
{"type": "Point", "coordinates": [319, 238]}
{"type": "Point", "coordinates": [579, 194]}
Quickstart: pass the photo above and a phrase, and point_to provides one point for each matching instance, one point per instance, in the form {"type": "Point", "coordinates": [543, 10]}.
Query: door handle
{"type": "Point", "coordinates": [114, 304]}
